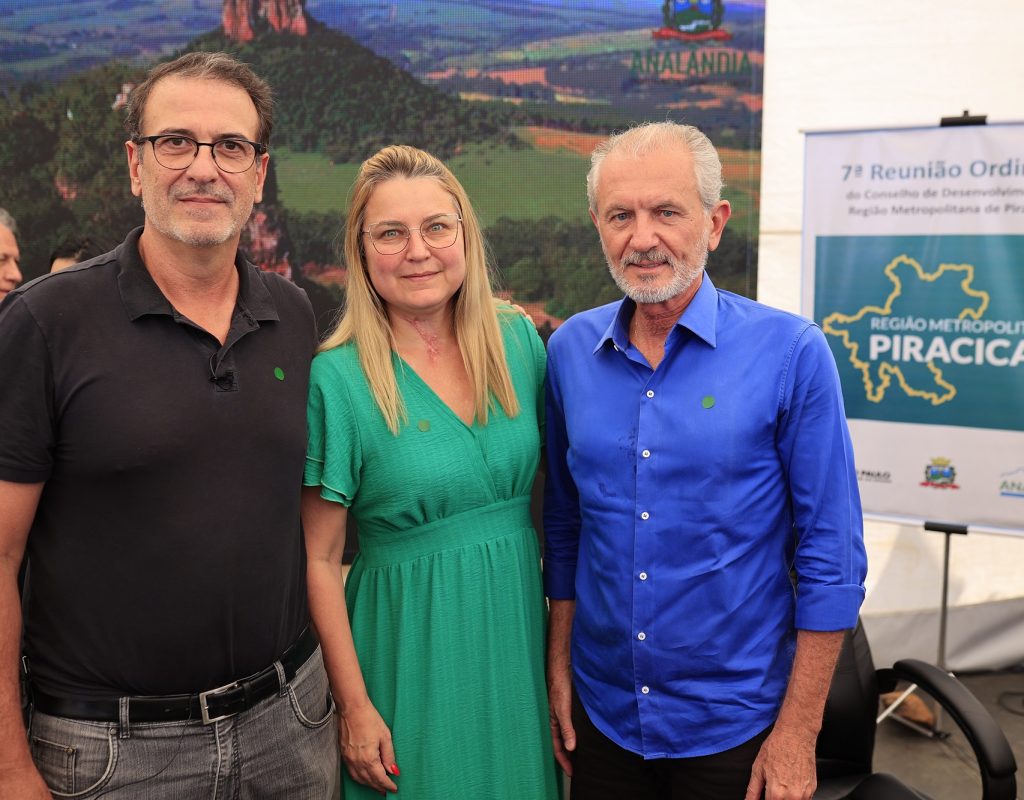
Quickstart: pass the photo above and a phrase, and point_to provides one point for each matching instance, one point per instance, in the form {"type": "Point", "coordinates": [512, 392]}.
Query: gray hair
{"type": "Point", "coordinates": [644, 138]}
{"type": "Point", "coordinates": [7, 221]}
{"type": "Point", "coordinates": [209, 66]}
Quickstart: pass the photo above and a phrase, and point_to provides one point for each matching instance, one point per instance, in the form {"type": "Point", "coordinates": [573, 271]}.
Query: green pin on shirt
{"type": "Point", "coordinates": [279, 373]}
{"type": "Point", "coordinates": [708, 401]}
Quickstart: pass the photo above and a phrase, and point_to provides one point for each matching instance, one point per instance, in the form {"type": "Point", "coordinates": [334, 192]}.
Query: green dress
{"type": "Point", "coordinates": [445, 595]}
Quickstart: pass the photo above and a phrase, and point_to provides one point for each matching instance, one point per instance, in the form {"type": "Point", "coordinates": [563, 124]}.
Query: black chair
{"type": "Point", "coordinates": [847, 740]}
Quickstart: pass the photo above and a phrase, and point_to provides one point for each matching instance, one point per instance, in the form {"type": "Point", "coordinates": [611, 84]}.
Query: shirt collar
{"type": "Point", "coordinates": [141, 295]}
{"type": "Point", "coordinates": [699, 317]}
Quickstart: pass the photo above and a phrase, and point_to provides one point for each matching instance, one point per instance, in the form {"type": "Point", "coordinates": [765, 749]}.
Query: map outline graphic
{"type": "Point", "coordinates": [887, 370]}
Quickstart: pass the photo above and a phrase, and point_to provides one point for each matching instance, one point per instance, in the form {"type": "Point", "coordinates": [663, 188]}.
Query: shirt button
{"type": "Point", "coordinates": [643, 576]}
{"type": "Point", "coordinates": [641, 636]}
{"type": "Point", "coordinates": [645, 515]}
{"type": "Point", "coordinates": [646, 454]}
{"type": "Point", "coordinates": [650, 393]}
{"type": "Point", "coordinates": [645, 689]}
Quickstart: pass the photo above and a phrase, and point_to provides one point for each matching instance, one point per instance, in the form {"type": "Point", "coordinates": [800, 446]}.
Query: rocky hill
{"type": "Point", "coordinates": [243, 19]}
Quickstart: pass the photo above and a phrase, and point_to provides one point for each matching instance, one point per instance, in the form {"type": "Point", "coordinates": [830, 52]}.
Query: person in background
{"type": "Point", "coordinates": [424, 423]}
{"type": "Point", "coordinates": [10, 274]}
{"type": "Point", "coordinates": [74, 250]}
{"type": "Point", "coordinates": [704, 546]}
{"type": "Point", "coordinates": [152, 437]}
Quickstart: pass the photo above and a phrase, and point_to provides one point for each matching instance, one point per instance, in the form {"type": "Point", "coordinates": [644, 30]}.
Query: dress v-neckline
{"type": "Point", "coordinates": [433, 396]}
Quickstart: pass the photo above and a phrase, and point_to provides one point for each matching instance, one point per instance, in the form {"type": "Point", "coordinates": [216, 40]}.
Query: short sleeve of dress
{"type": "Point", "coordinates": [333, 451]}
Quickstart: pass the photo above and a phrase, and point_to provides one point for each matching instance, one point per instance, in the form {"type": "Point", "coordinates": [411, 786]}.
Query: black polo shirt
{"type": "Point", "coordinates": [166, 555]}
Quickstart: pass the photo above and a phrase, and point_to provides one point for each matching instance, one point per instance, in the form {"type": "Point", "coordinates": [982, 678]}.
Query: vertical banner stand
{"type": "Point", "coordinates": [949, 529]}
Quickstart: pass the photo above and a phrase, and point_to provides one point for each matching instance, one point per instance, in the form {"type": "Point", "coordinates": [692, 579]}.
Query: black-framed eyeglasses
{"type": "Point", "coordinates": [391, 238]}
{"type": "Point", "coordinates": [174, 151]}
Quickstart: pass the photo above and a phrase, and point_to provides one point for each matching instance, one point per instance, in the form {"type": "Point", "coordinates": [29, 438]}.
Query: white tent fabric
{"type": "Point", "coordinates": [985, 621]}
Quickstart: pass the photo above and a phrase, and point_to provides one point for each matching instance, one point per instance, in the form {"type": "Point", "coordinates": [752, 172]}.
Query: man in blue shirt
{"type": "Point", "coordinates": [704, 537]}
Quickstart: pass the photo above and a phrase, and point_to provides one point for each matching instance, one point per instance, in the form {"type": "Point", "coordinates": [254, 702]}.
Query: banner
{"type": "Point", "coordinates": [913, 266]}
{"type": "Point", "coordinates": [512, 96]}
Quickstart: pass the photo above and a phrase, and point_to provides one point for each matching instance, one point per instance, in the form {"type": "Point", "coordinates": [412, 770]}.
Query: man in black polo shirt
{"type": "Point", "coordinates": [152, 438]}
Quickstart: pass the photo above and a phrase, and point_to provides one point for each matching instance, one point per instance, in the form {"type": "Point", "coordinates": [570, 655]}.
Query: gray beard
{"type": "Point", "coordinates": [191, 238]}
{"type": "Point", "coordinates": [683, 276]}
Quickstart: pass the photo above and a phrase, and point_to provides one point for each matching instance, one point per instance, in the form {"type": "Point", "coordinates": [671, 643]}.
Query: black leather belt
{"type": "Point", "coordinates": [208, 706]}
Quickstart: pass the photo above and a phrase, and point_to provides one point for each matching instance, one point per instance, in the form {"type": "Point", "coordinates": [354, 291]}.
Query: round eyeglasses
{"type": "Point", "coordinates": [391, 238]}
{"type": "Point", "coordinates": [174, 151]}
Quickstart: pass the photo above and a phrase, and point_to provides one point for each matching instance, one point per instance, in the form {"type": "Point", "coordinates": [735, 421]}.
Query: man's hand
{"type": "Point", "coordinates": [23, 782]}
{"type": "Point", "coordinates": [785, 767]}
{"type": "Point", "coordinates": [563, 735]}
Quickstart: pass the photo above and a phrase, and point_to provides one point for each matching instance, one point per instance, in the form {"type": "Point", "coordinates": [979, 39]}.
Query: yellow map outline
{"type": "Point", "coordinates": [886, 370]}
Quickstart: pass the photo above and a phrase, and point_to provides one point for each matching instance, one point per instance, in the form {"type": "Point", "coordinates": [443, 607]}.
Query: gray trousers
{"type": "Point", "coordinates": [284, 747]}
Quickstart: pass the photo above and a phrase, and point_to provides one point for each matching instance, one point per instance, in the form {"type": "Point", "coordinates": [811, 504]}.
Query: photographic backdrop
{"type": "Point", "coordinates": [512, 95]}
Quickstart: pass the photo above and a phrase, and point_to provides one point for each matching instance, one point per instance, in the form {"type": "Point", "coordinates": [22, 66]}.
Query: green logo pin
{"type": "Point", "coordinates": [708, 401]}
{"type": "Point", "coordinates": [279, 373]}
{"type": "Point", "coordinates": [423, 425]}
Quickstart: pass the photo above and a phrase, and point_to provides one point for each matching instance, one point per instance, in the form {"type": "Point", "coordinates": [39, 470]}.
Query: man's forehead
{"type": "Point", "coordinates": [176, 102]}
{"type": "Point", "coordinates": [8, 241]}
{"type": "Point", "coordinates": [659, 172]}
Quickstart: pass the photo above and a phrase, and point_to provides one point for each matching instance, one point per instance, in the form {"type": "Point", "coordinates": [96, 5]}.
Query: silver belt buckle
{"type": "Point", "coordinates": [204, 709]}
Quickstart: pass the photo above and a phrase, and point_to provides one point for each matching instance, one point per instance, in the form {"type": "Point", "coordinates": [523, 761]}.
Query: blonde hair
{"type": "Point", "coordinates": [365, 320]}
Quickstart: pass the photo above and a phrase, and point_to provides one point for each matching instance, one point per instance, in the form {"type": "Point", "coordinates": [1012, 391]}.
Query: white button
{"type": "Point", "coordinates": [646, 454]}
{"type": "Point", "coordinates": [650, 393]}
{"type": "Point", "coordinates": [643, 576]}
{"type": "Point", "coordinates": [645, 515]}
{"type": "Point", "coordinates": [641, 636]}
{"type": "Point", "coordinates": [645, 689]}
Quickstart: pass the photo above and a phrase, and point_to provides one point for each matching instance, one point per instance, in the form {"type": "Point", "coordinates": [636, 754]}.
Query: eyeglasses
{"type": "Point", "coordinates": [391, 238]}
{"type": "Point", "coordinates": [174, 151]}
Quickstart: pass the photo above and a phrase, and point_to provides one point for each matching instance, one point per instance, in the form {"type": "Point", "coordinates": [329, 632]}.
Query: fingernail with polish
{"type": "Point", "coordinates": [393, 769]}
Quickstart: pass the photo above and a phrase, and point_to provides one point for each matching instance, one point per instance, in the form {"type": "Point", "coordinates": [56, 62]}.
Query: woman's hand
{"type": "Point", "coordinates": [367, 749]}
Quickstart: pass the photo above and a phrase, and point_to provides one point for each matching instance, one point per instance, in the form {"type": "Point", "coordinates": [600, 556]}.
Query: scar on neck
{"type": "Point", "coordinates": [430, 339]}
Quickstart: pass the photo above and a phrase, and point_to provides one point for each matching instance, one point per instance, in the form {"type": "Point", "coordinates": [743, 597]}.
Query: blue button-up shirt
{"type": "Point", "coordinates": [679, 505]}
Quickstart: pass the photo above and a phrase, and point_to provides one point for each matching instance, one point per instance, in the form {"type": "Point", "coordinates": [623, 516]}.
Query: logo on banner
{"type": "Point", "coordinates": [900, 343]}
{"type": "Point", "coordinates": [940, 474]}
{"type": "Point", "coordinates": [693, 23]}
{"type": "Point", "coordinates": [925, 330]}
{"type": "Point", "coordinates": [1011, 484]}
{"type": "Point", "coordinates": [692, 20]}
{"type": "Point", "coordinates": [874, 476]}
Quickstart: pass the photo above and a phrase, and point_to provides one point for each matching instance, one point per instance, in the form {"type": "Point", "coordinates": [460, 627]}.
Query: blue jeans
{"type": "Point", "coordinates": [284, 747]}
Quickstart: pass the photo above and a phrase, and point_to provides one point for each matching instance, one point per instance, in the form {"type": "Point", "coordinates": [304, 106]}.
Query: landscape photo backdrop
{"type": "Point", "coordinates": [512, 95]}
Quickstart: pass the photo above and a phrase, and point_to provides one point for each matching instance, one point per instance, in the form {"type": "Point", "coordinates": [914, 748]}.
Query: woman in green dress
{"type": "Point", "coordinates": [424, 413]}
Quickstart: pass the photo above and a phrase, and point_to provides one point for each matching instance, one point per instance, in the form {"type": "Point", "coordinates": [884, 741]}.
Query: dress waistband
{"type": "Point", "coordinates": [381, 547]}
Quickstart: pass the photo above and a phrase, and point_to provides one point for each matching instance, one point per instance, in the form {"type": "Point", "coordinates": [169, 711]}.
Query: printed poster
{"type": "Point", "coordinates": [513, 96]}
{"type": "Point", "coordinates": [913, 266]}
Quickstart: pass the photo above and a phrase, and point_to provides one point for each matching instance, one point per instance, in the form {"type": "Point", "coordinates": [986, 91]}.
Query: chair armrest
{"type": "Point", "coordinates": [984, 734]}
